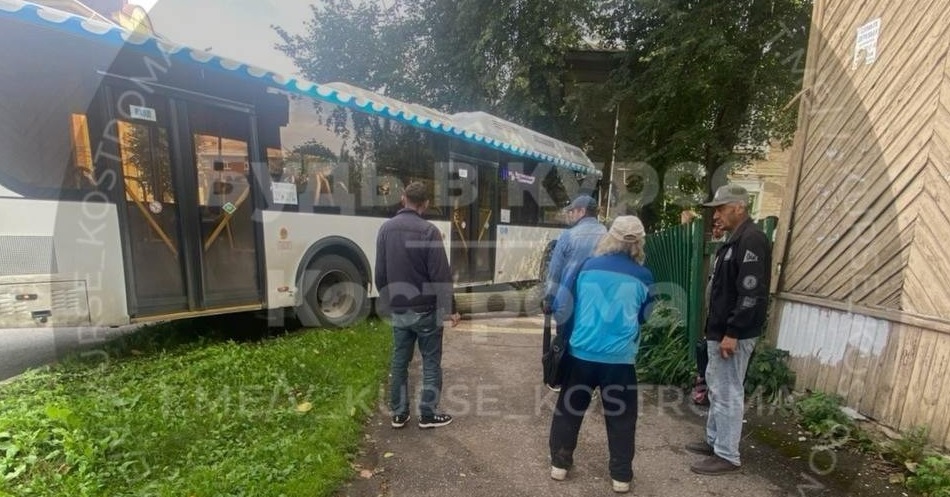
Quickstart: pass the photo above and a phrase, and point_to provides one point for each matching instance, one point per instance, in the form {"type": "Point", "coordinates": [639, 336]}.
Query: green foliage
{"type": "Point", "coordinates": [931, 477]}
{"type": "Point", "coordinates": [690, 82]}
{"type": "Point", "coordinates": [274, 417]}
{"type": "Point", "coordinates": [703, 83]}
{"type": "Point", "coordinates": [664, 349]}
{"type": "Point", "coordinates": [768, 373]}
{"type": "Point", "coordinates": [821, 414]}
{"type": "Point", "coordinates": [910, 448]}
{"type": "Point", "coordinates": [500, 56]}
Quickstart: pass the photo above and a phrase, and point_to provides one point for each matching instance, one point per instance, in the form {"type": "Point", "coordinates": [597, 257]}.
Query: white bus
{"type": "Point", "coordinates": [142, 180]}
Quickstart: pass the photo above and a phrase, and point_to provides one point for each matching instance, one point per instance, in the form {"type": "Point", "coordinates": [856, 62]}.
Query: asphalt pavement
{"type": "Point", "coordinates": [497, 443]}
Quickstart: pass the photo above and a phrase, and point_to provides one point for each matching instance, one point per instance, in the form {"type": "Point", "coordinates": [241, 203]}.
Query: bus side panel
{"type": "Point", "coordinates": [288, 236]}
{"type": "Point", "coordinates": [61, 264]}
{"type": "Point", "coordinates": [520, 251]}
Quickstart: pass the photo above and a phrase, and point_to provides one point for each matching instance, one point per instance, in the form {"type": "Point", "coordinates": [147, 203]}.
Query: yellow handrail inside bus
{"type": "Point", "coordinates": [457, 223]}
{"type": "Point", "coordinates": [150, 219]}
{"type": "Point", "coordinates": [485, 223]}
{"type": "Point", "coordinates": [226, 220]}
{"type": "Point", "coordinates": [322, 181]}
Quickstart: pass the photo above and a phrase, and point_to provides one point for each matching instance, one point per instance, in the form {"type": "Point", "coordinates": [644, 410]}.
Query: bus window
{"type": "Point", "coordinates": [43, 131]}
{"type": "Point", "coordinates": [145, 163]}
{"type": "Point", "coordinates": [308, 158]}
{"type": "Point", "coordinates": [520, 192]}
{"type": "Point", "coordinates": [554, 186]}
{"type": "Point", "coordinates": [336, 160]}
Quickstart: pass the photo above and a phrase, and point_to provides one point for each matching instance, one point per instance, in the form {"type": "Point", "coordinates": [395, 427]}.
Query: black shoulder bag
{"type": "Point", "coordinates": [553, 355]}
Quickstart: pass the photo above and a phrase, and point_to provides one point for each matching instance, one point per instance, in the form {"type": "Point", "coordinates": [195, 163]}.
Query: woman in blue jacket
{"type": "Point", "coordinates": [612, 292]}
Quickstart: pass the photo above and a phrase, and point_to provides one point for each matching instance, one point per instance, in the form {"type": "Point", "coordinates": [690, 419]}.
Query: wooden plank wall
{"type": "Point", "coordinates": [871, 160]}
{"type": "Point", "coordinates": [925, 281]}
{"type": "Point", "coordinates": [895, 373]}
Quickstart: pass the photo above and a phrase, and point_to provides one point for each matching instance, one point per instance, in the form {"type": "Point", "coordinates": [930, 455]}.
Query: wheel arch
{"type": "Point", "coordinates": [336, 245]}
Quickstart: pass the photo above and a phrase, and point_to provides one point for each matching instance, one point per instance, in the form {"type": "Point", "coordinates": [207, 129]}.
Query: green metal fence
{"type": "Point", "coordinates": [677, 258]}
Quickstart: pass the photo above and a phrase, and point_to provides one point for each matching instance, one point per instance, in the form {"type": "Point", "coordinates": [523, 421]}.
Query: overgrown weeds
{"type": "Point", "coordinates": [910, 448]}
{"type": "Point", "coordinates": [664, 357]}
{"type": "Point", "coordinates": [931, 478]}
{"type": "Point", "coordinates": [921, 469]}
{"type": "Point", "coordinates": [768, 376]}
{"type": "Point", "coordinates": [821, 414]}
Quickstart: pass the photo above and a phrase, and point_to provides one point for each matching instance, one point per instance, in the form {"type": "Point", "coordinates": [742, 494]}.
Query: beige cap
{"type": "Point", "coordinates": [627, 228]}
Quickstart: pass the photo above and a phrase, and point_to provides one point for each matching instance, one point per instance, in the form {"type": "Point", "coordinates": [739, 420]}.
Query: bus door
{"type": "Point", "coordinates": [190, 241]}
{"type": "Point", "coordinates": [472, 245]}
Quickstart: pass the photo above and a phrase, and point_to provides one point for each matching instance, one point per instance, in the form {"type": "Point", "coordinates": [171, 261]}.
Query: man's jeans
{"type": "Point", "coordinates": [724, 378]}
{"type": "Point", "coordinates": [426, 328]}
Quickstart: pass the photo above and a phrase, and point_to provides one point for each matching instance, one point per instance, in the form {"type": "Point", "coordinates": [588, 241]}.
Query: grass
{"type": "Point", "coordinates": [207, 418]}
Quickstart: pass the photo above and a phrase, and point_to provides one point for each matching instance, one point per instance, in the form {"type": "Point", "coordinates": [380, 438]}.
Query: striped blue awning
{"type": "Point", "coordinates": [475, 127]}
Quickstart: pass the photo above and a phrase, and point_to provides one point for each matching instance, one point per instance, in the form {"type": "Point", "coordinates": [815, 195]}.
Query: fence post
{"type": "Point", "coordinates": [695, 281]}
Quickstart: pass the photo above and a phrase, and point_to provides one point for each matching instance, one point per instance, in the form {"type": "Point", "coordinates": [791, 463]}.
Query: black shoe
{"type": "Point", "coordinates": [435, 421]}
{"type": "Point", "coordinates": [701, 448]}
{"type": "Point", "coordinates": [400, 420]}
{"type": "Point", "coordinates": [713, 466]}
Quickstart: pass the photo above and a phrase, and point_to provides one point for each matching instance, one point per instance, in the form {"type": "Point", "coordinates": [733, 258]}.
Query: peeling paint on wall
{"type": "Point", "coordinates": [810, 331]}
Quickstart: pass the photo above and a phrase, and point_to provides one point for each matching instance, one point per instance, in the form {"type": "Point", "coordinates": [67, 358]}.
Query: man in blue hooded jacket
{"type": "Point", "coordinates": [572, 248]}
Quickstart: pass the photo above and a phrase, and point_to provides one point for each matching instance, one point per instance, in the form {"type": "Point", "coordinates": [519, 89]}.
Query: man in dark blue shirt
{"type": "Point", "coordinates": [414, 281]}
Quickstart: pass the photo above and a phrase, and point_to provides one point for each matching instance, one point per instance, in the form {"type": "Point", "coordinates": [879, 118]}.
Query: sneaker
{"type": "Point", "coordinates": [400, 420]}
{"type": "Point", "coordinates": [555, 389]}
{"type": "Point", "coordinates": [435, 421]}
{"type": "Point", "coordinates": [621, 487]}
{"type": "Point", "coordinates": [558, 474]}
{"type": "Point", "coordinates": [701, 448]}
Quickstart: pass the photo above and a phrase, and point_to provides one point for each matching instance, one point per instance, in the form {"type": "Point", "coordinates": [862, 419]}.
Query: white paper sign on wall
{"type": "Point", "coordinates": [865, 43]}
{"type": "Point", "coordinates": [142, 113]}
{"type": "Point", "coordinates": [284, 193]}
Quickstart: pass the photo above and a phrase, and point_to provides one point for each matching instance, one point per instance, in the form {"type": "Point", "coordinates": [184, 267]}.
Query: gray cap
{"type": "Point", "coordinates": [728, 194]}
{"type": "Point", "coordinates": [581, 202]}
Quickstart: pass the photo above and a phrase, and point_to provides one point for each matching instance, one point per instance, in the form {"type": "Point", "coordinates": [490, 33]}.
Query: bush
{"type": "Point", "coordinates": [932, 477]}
{"type": "Point", "coordinates": [910, 448]}
{"type": "Point", "coordinates": [664, 349]}
{"type": "Point", "coordinates": [821, 415]}
{"type": "Point", "coordinates": [768, 373]}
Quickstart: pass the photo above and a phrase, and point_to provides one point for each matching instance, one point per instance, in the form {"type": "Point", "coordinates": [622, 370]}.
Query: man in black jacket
{"type": "Point", "coordinates": [738, 303]}
{"type": "Point", "coordinates": [414, 280]}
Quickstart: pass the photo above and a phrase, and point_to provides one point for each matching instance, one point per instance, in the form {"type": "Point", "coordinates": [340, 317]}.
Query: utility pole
{"type": "Point", "coordinates": [613, 163]}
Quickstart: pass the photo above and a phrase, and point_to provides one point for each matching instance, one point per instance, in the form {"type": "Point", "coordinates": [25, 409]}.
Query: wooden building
{"type": "Point", "coordinates": [765, 179]}
{"type": "Point", "coordinates": [862, 277]}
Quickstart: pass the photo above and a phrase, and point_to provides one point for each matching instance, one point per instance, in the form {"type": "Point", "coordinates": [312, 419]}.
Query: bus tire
{"type": "Point", "coordinates": [334, 293]}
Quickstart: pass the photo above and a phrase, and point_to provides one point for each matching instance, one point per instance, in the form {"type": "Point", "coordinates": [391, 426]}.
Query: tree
{"type": "Point", "coordinates": [701, 79]}
{"type": "Point", "coordinates": [505, 57]}
{"type": "Point", "coordinates": [698, 78]}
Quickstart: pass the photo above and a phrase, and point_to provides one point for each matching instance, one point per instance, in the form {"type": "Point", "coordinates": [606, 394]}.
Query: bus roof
{"type": "Point", "coordinates": [476, 127]}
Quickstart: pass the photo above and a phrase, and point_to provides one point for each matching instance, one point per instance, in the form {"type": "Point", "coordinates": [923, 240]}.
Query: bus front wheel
{"type": "Point", "coordinates": [334, 293]}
